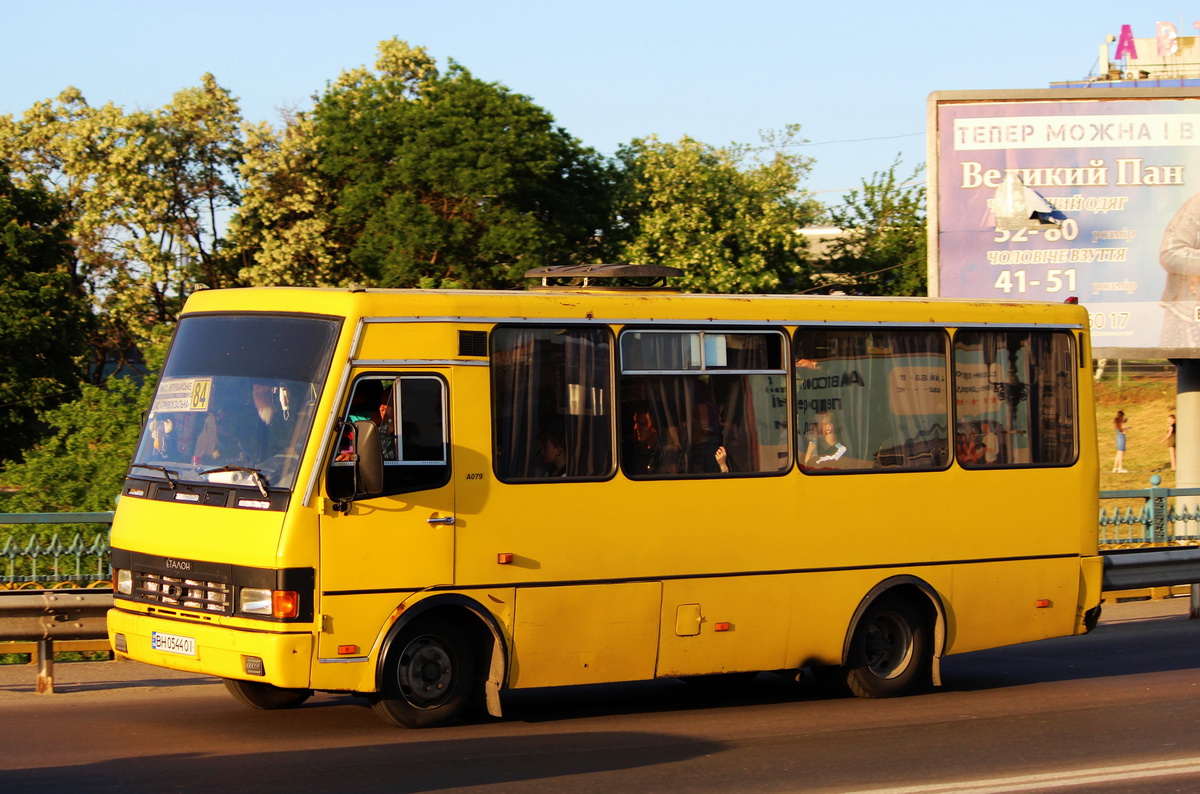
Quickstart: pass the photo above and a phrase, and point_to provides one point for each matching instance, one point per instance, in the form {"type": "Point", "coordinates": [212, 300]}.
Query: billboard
{"type": "Point", "coordinates": [1107, 186]}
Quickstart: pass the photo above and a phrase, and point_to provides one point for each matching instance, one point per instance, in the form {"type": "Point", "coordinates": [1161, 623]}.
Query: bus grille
{"type": "Point", "coordinates": [182, 593]}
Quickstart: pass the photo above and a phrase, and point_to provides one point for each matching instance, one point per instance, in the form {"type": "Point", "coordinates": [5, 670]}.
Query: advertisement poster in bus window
{"type": "Point", "coordinates": [1123, 177]}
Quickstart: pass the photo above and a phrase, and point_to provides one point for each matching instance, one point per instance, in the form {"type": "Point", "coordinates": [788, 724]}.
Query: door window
{"type": "Point", "coordinates": [410, 412]}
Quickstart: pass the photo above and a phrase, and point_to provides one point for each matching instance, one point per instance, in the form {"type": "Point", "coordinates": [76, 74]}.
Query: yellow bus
{"type": "Point", "coordinates": [430, 497]}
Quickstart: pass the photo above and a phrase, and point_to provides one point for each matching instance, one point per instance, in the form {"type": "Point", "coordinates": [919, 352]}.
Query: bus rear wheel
{"type": "Point", "coordinates": [258, 695]}
{"type": "Point", "coordinates": [427, 677]}
{"type": "Point", "coordinates": [890, 650]}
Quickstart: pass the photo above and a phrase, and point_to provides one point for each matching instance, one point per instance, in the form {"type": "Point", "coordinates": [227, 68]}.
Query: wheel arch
{"type": "Point", "coordinates": [473, 619]}
{"type": "Point", "coordinates": [927, 600]}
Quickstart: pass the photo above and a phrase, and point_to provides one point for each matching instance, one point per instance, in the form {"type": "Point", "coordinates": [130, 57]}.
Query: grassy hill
{"type": "Point", "coordinates": [1147, 399]}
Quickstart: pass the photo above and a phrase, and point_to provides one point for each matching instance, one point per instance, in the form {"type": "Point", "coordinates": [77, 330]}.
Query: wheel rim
{"type": "Point", "coordinates": [426, 672]}
{"type": "Point", "coordinates": [889, 645]}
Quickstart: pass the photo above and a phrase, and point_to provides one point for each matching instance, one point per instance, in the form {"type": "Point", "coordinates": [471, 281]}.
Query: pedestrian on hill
{"type": "Point", "coordinates": [1119, 424]}
{"type": "Point", "coordinates": [1169, 439]}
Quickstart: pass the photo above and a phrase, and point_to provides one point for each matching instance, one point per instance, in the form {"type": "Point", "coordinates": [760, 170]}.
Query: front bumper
{"type": "Point", "coordinates": [283, 657]}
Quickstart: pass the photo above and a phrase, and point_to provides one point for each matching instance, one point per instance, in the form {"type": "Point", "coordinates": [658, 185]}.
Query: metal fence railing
{"type": "Point", "coordinates": [32, 555]}
{"type": "Point", "coordinates": [1150, 517]}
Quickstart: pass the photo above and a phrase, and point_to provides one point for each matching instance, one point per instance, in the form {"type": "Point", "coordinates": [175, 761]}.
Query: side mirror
{"type": "Point", "coordinates": [368, 465]}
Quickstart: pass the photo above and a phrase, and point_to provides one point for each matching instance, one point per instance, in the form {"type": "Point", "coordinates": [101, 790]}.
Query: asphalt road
{"type": "Point", "coordinates": [1118, 710]}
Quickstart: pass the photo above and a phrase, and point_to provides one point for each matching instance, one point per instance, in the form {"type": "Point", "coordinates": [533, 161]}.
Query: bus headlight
{"type": "Point", "coordinates": [255, 601]}
{"type": "Point", "coordinates": [123, 581]}
{"type": "Point", "coordinates": [276, 603]}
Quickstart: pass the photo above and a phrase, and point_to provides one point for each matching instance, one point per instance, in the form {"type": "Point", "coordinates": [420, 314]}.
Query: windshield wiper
{"type": "Point", "coordinates": [259, 479]}
{"type": "Point", "coordinates": [166, 472]}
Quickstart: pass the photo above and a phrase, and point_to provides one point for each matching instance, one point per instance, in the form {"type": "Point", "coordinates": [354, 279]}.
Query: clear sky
{"type": "Point", "coordinates": [855, 75]}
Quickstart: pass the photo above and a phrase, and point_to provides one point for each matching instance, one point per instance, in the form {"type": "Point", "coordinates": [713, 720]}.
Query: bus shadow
{"type": "Point", "coordinates": [412, 764]}
{"type": "Point", "coordinates": [1111, 650]}
{"type": "Point", "coordinates": [662, 695]}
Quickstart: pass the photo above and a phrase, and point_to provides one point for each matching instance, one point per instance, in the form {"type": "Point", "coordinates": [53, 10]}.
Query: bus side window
{"type": "Point", "coordinates": [871, 399]}
{"type": "Point", "coordinates": [703, 403]}
{"type": "Point", "coordinates": [1015, 392]}
{"type": "Point", "coordinates": [552, 403]}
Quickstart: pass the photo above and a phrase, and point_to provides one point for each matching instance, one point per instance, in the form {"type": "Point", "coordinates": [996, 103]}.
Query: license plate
{"type": "Point", "coordinates": [173, 643]}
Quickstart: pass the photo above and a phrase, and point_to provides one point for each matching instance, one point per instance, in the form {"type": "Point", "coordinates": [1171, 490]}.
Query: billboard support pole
{"type": "Point", "coordinates": [1187, 433]}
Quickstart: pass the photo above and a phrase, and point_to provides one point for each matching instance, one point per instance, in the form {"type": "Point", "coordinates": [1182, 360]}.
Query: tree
{"type": "Point", "coordinates": [728, 216]}
{"type": "Point", "coordinates": [282, 230]}
{"type": "Point", "coordinates": [143, 193]}
{"type": "Point", "coordinates": [44, 318]}
{"type": "Point", "coordinates": [882, 250]}
{"type": "Point", "coordinates": [406, 177]}
{"type": "Point", "coordinates": [81, 464]}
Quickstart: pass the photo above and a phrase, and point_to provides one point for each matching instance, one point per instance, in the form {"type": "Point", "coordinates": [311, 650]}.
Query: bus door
{"type": "Point", "coordinates": [378, 550]}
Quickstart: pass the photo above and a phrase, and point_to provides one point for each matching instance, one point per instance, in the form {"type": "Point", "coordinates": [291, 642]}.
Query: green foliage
{"type": "Point", "coordinates": [143, 192]}
{"type": "Point", "coordinates": [408, 177]}
{"type": "Point", "coordinates": [883, 248]}
{"type": "Point", "coordinates": [59, 656]}
{"type": "Point", "coordinates": [43, 316]}
{"type": "Point", "coordinates": [80, 465]}
{"type": "Point", "coordinates": [726, 216]}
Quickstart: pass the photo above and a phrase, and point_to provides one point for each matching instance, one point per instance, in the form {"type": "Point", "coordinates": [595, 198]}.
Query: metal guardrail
{"type": "Point", "coordinates": [1154, 544]}
{"type": "Point", "coordinates": [63, 613]}
{"type": "Point", "coordinates": [1131, 569]}
{"type": "Point", "coordinates": [48, 615]}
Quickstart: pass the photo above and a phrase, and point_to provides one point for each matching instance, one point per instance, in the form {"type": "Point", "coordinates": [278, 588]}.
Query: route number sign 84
{"type": "Point", "coordinates": [1019, 281]}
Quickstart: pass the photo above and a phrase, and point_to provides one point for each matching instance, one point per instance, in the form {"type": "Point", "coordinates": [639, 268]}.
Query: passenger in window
{"type": "Point", "coordinates": [365, 402]}
{"type": "Point", "coordinates": [647, 451]}
{"type": "Point", "coordinates": [370, 402]}
{"type": "Point", "coordinates": [364, 405]}
{"type": "Point", "coordinates": [708, 453]}
{"type": "Point", "coordinates": [225, 426]}
{"type": "Point", "coordinates": [387, 425]}
{"type": "Point", "coordinates": [824, 450]}
{"type": "Point", "coordinates": [552, 451]}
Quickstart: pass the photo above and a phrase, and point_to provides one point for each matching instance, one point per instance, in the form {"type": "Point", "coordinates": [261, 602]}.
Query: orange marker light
{"type": "Point", "coordinates": [347, 650]}
{"type": "Point", "coordinates": [285, 603]}
{"type": "Point", "coordinates": [722, 626]}
{"type": "Point", "coordinates": [1042, 603]}
{"type": "Point", "coordinates": [504, 558]}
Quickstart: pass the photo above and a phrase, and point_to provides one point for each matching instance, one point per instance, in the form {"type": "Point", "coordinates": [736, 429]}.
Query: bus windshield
{"type": "Point", "coordinates": [236, 400]}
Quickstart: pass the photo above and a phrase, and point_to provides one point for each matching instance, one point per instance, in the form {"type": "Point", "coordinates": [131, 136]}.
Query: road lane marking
{"type": "Point", "coordinates": [1047, 780]}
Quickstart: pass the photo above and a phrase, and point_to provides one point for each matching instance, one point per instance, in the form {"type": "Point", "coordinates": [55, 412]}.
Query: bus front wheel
{"type": "Point", "coordinates": [890, 650]}
{"type": "Point", "coordinates": [427, 677]}
{"type": "Point", "coordinates": [258, 695]}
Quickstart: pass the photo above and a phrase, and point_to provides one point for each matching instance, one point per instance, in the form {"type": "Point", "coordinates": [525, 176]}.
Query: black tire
{"type": "Point", "coordinates": [890, 651]}
{"type": "Point", "coordinates": [428, 677]}
{"type": "Point", "coordinates": [831, 679]}
{"type": "Point", "coordinates": [258, 695]}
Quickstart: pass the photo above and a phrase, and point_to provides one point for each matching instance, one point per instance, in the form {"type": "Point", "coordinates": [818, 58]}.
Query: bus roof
{"type": "Point", "coordinates": [625, 306]}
